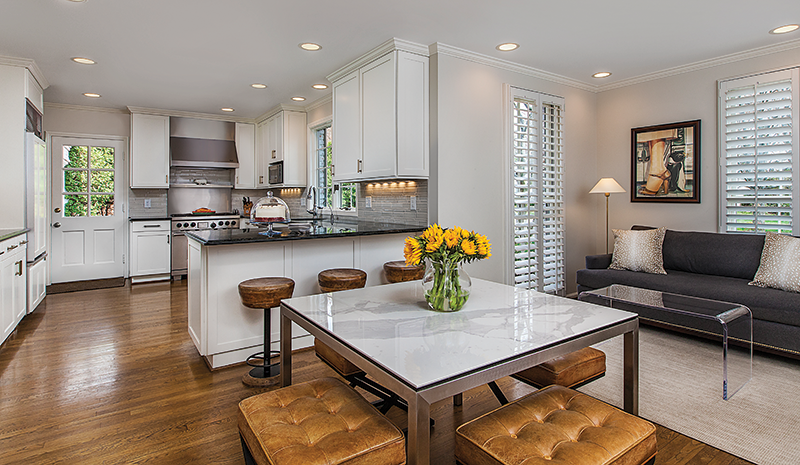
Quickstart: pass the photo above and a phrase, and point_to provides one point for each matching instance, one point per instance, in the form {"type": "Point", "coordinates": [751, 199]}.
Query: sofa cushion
{"type": "Point", "coordinates": [766, 304]}
{"type": "Point", "coordinates": [780, 263]}
{"type": "Point", "coordinates": [638, 251]}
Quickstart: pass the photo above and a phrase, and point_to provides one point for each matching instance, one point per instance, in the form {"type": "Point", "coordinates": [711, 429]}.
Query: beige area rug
{"type": "Point", "coordinates": [680, 388]}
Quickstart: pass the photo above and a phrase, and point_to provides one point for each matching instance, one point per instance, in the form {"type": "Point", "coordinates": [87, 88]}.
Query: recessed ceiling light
{"type": "Point", "coordinates": [507, 47]}
{"type": "Point", "coordinates": [91, 94]}
{"type": "Point", "coordinates": [77, 1]}
{"type": "Point", "coordinates": [320, 86]}
{"type": "Point", "coordinates": [227, 109]}
{"type": "Point", "coordinates": [311, 47]}
{"type": "Point", "coordinates": [258, 86]}
{"type": "Point", "coordinates": [298, 99]}
{"type": "Point", "coordinates": [601, 74]}
{"type": "Point", "coordinates": [83, 61]}
{"type": "Point", "coordinates": [785, 29]}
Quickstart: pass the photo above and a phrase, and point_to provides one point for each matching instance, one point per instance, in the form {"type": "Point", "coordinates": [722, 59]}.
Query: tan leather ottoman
{"type": "Point", "coordinates": [335, 359]}
{"type": "Point", "coordinates": [323, 421]}
{"type": "Point", "coordinates": [556, 425]}
{"type": "Point", "coordinates": [570, 370]}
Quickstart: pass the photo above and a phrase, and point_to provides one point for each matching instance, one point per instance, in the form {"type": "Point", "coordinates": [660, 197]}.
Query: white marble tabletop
{"type": "Point", "coordinates": [393, 326]}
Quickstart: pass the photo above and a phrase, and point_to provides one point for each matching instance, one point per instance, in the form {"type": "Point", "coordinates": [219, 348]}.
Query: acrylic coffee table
{"type": "Point", "coordinates": [724, 319]}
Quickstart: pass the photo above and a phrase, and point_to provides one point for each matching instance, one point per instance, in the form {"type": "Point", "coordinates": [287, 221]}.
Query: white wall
{"type": "Point", "coordinates": [466, 186]}
{"type": "Point", "coordinates": [682, 97]}
{"type": "Point", "coordinates": [12, 147]}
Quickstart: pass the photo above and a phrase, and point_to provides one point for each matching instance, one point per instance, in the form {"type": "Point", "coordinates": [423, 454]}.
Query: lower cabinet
{"type": "Point", "coordinates": [37, 283]}
{"type": "Point", "coordinates": [13, 279]}
{"type": "Point", "coordinates": [150, 251]}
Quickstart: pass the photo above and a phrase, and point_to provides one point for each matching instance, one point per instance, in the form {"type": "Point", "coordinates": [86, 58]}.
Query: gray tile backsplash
{"type": "Point", "coordinates": [391, 201]}
{"type": "Point", "coordinates": [136, 203]}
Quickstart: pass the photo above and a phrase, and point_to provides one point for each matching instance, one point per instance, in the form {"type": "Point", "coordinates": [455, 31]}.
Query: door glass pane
{"type": "Point", "coordinates": [102, 157]}
{"type": "Point", "coordinates": [102, 205]}
{"type": "Point", "coordinates": [75, 156]}
{"type": "Point", "coordinates": [75, 205]}
{"type": "Point", "coordinates": [102, 181]}
{"type": "Point", "coordinates": [75, 181]}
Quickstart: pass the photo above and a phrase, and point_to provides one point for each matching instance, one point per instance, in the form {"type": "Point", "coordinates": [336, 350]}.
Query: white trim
{"type": "Point", "coordinates": [277, 109]}
{"type": "Point", "coordinates": [508, 204]}
{"type": "Point", "coordinates": [66, 106]}
{"type": "Point", "coordinates": [319, 102]}
{"type": "Point", "coordinates": [377, 52]}
{"type": "Point", "coordinates": [26, 63]}
{"type": "Point", "coordinates": [704, 64]}
{"type": "Point", "coordinates": [448, 50]}
{"type": "Point", "coordinates": [188, 114]}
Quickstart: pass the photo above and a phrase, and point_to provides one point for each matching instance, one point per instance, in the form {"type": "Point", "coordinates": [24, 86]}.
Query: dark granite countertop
{"type": "Point", "coordinates": [149, 218]}
{"type": "Point", "coordinates": [9, 233]}
{"type": "Point", "coordinates": [301, 230]}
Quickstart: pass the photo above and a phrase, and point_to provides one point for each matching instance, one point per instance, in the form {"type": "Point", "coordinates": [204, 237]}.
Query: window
{"type": "Point", "coordinates": [538, 192]}
{"type": "Point", "coordinates": [88, 188]}
{"type": "Point", "coordinates": [329, 195]}
{"type": "Point", "coordinates": [757, 140]}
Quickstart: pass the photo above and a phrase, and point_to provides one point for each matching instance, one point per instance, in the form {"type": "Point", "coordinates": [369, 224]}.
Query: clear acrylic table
{"type": "Point", "coordinates": [730, 321]}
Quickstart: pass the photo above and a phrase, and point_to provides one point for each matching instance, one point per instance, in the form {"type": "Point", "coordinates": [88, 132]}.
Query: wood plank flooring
{"type": "Point", "coordinates": [110, 376]}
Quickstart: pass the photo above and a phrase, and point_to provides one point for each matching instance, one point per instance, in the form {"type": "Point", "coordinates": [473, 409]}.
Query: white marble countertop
{"type": "Point", "coordinates": [393, 326]}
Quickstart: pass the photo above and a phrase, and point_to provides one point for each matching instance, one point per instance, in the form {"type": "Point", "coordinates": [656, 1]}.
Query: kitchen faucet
{"type": "Point", "coordinates": [311, 201]}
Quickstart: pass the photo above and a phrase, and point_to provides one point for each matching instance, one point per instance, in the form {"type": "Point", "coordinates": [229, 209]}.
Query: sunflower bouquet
{"type": "Point", "coordinates": [446, 285]}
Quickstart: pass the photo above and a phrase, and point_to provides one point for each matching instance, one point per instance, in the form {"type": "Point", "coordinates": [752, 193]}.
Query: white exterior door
{"type": "Point", "coordinates": [88, 217]}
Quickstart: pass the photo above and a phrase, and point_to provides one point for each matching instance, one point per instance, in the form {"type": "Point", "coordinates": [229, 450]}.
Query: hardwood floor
{"type": "Point", "coordinates": [111, 376]}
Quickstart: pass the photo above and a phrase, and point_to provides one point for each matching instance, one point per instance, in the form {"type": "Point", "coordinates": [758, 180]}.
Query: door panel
{"type": "Point", "coordinates": [88, 217]}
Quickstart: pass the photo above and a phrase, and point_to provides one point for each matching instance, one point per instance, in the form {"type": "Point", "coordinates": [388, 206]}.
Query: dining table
{"type": "Point", "coordinates": [426, 356]}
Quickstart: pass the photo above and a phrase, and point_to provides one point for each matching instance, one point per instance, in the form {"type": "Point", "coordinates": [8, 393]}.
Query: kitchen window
{"type": "Point", "coordinates": [758, 136]}
{"type": "Point", "coordinates": [342, 196]}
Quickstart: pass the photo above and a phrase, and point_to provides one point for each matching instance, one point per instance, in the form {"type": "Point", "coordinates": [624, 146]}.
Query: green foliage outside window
{"type": "Point", "coordinates": [88, 181]}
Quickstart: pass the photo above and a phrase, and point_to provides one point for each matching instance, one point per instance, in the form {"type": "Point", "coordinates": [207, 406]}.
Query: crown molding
{"type": "Point", "coordinates": [276, 109]}
{"type": "Point", "coordinates": [26, 63]}
{"type": "Point", "coordinates": [66, 106]}
{"type": "Point", "coordinates": [188, 114]}
{"type": "Point", "coordinates": [449, 50]}
{"type": "Point", "coordinates": [719, 61]}
{"type": "Point", "coordinates": [377, 52]}
{"type": "Point", "coordinates": [328, 98]}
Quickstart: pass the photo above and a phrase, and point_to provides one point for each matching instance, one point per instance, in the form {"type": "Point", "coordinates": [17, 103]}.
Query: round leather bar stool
{"type": "Point", "coordinates": [264, 293]}
{"type": "Point", "coordinates": [341, 279]}
{"type": "Point", "coordinates": [398, 271]}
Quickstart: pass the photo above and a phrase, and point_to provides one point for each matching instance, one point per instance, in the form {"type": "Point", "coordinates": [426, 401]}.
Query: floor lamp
{"type": "Point", "coordinates": [606, 186]}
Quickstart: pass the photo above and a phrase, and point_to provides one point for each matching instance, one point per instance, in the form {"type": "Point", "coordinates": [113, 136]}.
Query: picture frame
{"type": "Point", "coordinates": [665, 163]}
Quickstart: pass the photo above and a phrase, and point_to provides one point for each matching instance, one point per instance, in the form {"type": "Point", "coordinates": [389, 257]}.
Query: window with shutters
{"type": "Point", "coordinates": [758, 140]}
{"type": "Point", "coordinates": [538, 192]}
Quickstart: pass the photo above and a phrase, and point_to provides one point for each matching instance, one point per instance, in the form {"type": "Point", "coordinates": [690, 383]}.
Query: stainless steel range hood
{"type": "Point", "coordinates": [196, 143]}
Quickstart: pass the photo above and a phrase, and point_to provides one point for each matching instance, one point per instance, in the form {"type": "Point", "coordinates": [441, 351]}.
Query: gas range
{"type": "Point", "coordinates": [190, 222]}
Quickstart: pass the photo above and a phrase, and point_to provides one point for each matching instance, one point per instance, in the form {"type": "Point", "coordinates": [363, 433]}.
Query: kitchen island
{"type": "Point", "coordinates": [224, 331]}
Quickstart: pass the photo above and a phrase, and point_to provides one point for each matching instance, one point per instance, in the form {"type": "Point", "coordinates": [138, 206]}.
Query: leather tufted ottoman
{"type": "Point", "coordinates": [323, 421]}
{"type": "Point", "coordinates": [571, 370]}
{"type": "Point", "coordinates": [556, 426]}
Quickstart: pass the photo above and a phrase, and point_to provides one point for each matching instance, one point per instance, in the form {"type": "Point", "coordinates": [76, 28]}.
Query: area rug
{"type": "Point", "coordinates": [680, 388]}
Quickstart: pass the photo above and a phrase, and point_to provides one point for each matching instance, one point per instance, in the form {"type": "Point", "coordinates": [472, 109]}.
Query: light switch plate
{"type": "Point", "coordinates": [413, 203]}
{"type": "Point", "coordinates": [148, 203]}
{"type": "Point", "coordinates": [368, 200]}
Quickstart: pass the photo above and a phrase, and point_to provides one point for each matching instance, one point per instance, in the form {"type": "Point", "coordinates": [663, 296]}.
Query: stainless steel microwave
{"type": "Point", "coordinates": [276, 173]}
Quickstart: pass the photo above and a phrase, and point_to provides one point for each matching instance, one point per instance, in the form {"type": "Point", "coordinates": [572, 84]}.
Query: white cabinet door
{"type": "Point", "coordinates": [150, 249]}
{"type": "Point", "coordinates": [13, 291]}
{"type": "Point", "coordinates": [378, 128]}
{"type": "Point", "coordinates": [6, 293]}
{"type": "Point", "coordinates": [149, 158]}
{"type": "Point", "coordinates": [34, 92]}
{"type": "Point", "coordinates": [412, 115]}
{"type": "Point", "coordinates": [292, 149]}
{"type": "Point", "coordinates": [20, 286]}
{"type": "Point", "coordinates": [275, 137]}
{"type": "Point", "coordinates": [262, 155]}
{"type": "Point", "coordinates": [37, 284]}
{"type": "Point", "coordinates": [246, 152]}
{"type": "Point", "coordinates": [346, 128]}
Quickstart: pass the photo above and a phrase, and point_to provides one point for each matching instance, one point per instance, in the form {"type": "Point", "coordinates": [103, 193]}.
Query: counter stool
{"type": "Point", "coordinates": [399, 272]}
{"type": "Point", "coordinates": [264, 293]}
{"type": "Point", "coordinates": [341, 279]}
{"type": "Point", "coordinates": [560, 425]}
{"type": "Point", "coordinates": [320, 422]}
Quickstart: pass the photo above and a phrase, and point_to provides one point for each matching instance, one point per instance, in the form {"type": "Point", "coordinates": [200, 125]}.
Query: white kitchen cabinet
{"type": "Point", "coordinates": [34, 92]}
{"type": "Point", "coordinates": [37, 283]}
{"type": "Point", "coordinates": [245, 176]}
{"type": "Point", "coordinates": [150, 251]}
{"type": "Point", "coordinates": [282, 138]}
{"type": "Point", "coordinates": [13, 280]}
{"type": "Point", "coordinates": [380, 116]}
{"type": "Point", "coordinates": [149, 157]}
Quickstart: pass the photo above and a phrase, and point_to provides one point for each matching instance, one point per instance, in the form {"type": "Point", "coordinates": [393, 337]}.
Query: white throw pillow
{"type": "Point", "coordinates": [639, 250]}
{"type": "Point", "coordinates": [780, 263]}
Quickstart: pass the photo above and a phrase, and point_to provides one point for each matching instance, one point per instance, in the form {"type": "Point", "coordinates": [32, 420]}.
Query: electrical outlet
{"type": "Point", "coordinates": [148, 203]}
{"type": "Point", "coordinates": [413, 203]}
{"type": "Point", "coordinates": [302, 201]}
{"type": "Point", "coordinates": [368, 200]}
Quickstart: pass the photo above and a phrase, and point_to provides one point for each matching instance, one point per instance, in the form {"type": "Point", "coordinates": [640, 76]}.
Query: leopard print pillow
{"type": "Point", "coordinates": [780, 263]}
{"type": "Point", "coordinates": [639, 250]}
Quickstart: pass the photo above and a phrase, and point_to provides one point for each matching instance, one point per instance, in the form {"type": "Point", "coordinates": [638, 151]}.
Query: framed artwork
{"type": "Point", "coordinates": [665, 164]}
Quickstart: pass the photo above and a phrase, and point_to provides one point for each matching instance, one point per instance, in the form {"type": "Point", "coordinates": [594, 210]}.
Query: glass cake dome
{"type": "Point", "coordinates": [268, 210]}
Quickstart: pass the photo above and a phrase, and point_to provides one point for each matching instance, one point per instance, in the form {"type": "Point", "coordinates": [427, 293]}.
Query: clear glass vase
{"type": "Point", "coordinates": [446, 284]}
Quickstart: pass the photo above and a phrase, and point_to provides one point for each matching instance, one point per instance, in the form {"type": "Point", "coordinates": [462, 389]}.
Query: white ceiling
{"type": "Point", "coordinates": [202, 55]}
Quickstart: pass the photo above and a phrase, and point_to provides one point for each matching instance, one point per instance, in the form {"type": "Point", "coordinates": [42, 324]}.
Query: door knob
{"type": "Point", "coordinates": [57, 210]}
{"type": "Point", "coordinates": [56, 224]}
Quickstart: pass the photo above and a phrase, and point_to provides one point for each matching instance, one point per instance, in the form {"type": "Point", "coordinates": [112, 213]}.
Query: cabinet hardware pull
{"type": "Point", "coordinates": [359, 165]}
{"type": "Point", "coordinates": [19, 264]}
{"type": "Point", "coordinates": [273, 154]}
{"type": "Point", "coordinates": [167, 239]}
{"type": "Point", "coordinates": [152, 226]}
{"type": "Point", "coordinates": [261, 179]}
{"type": "Point", "coordinates": [333, 170]}
{"type": "Point", "coordinates": [11, 247]}
{"type": "Point", "coordinates": [166, 179]}
{"type": "Point", "coordinates": [23, 242]}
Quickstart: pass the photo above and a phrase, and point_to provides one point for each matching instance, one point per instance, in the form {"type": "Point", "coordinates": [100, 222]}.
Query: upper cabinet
{"type": "Point", "coordinates": [149, 158]}
{"type": "Point", "coordinates": [34, 92]}
{"type": "Point", "coordinates": [245, 177]}
{"type": "Point", "coordinates": [281, 143]}
{"type": "Point", "coordinates": [380, 114]}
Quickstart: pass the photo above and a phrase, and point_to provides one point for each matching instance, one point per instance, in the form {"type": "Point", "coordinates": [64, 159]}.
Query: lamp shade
{"type": "Point", "coordinates": [606, 186]}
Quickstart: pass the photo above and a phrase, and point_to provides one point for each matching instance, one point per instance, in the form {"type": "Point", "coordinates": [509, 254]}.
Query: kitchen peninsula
{"type": "Point", "coordinates": [224, 331]}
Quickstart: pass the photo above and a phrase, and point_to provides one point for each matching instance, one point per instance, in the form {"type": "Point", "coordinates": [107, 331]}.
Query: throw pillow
{"type": "Point", "coordinates": [639, 250]}
{"type": "Point", "coordinates": [780, 263]}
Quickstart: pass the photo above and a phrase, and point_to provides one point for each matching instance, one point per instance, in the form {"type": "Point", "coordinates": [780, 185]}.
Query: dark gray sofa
{"type": "Point", "coordinates": [713, 266]}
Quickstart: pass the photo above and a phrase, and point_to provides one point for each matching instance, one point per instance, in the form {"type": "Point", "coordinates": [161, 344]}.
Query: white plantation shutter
{"type": "Point", "coordinates": [758, 141]}
{"type": "Point", "coordinates": [538, 192]}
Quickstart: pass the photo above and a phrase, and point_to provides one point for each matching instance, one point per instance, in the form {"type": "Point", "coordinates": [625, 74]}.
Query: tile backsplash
{"type": "Point", "coordinates": [391, 201]}
{"type": "Point", "coordinates": [136, 203]}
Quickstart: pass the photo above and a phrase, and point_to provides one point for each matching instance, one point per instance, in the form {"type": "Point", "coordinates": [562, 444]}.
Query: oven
{"type": "Point", "coordinates": [182, 222]}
